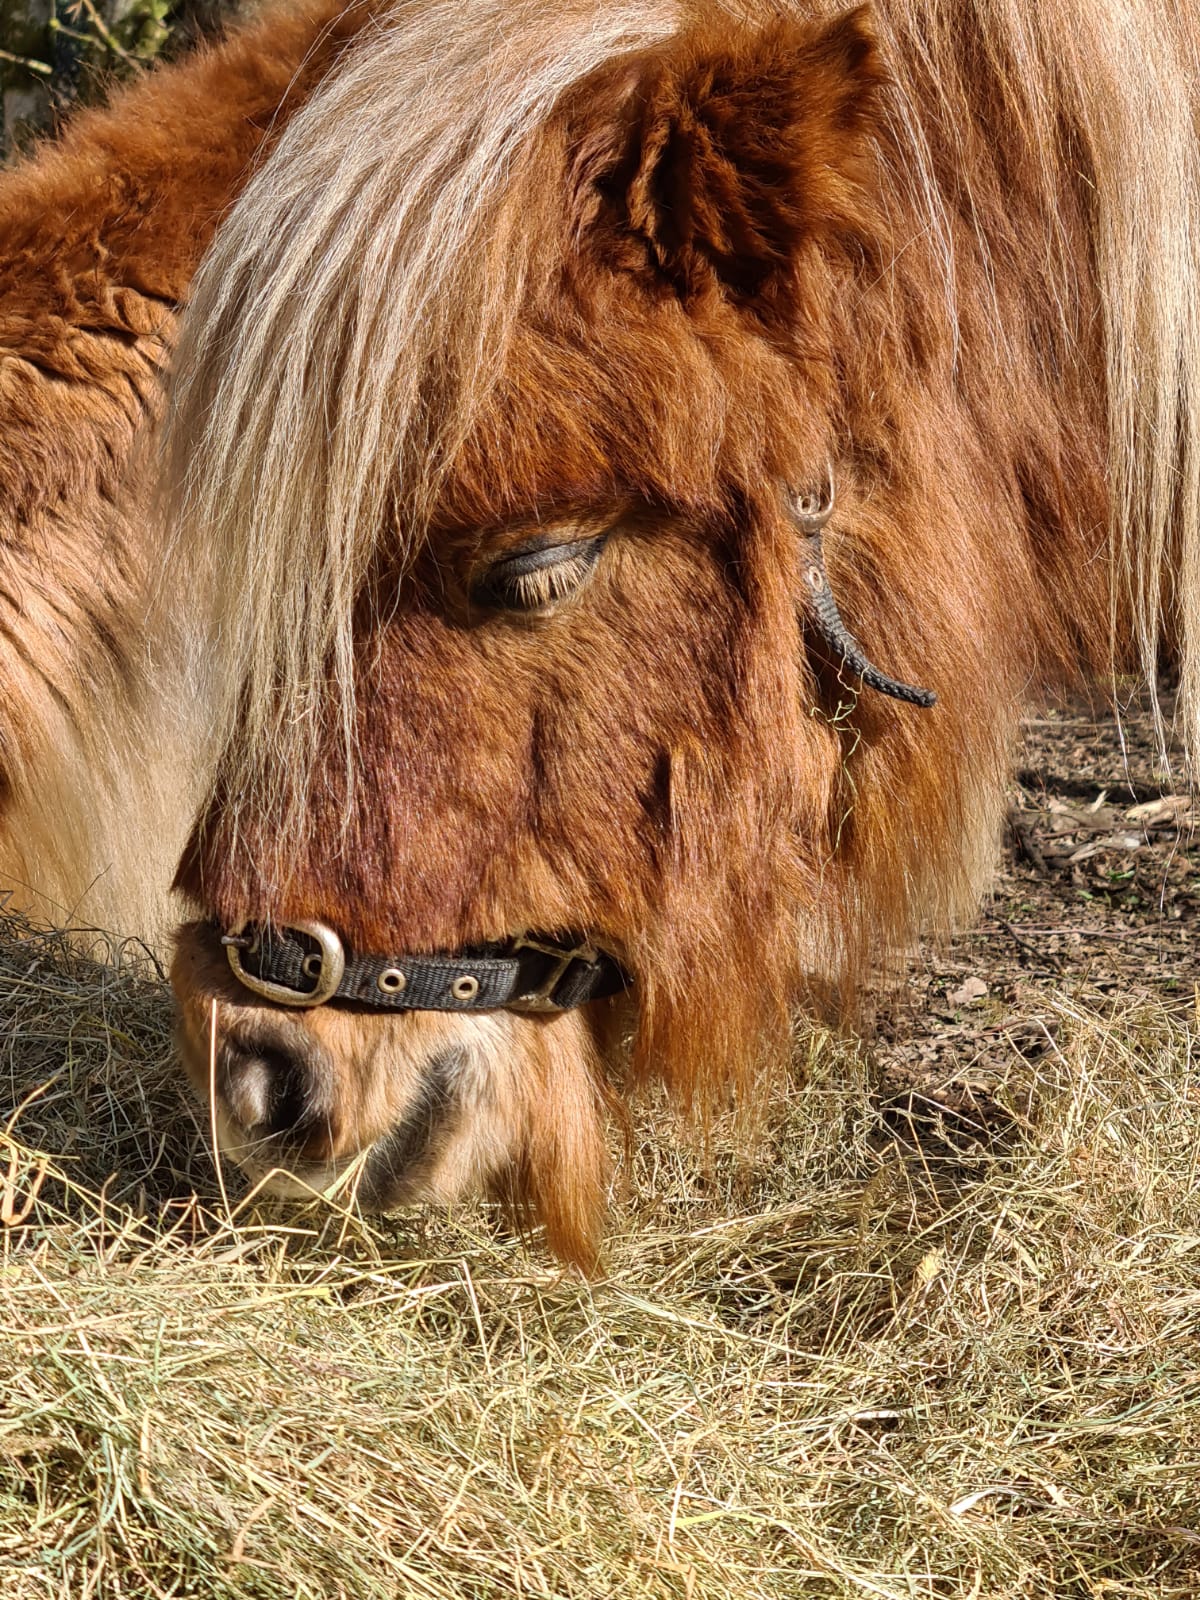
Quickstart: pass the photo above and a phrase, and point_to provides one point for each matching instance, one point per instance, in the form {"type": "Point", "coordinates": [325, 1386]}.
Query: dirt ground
{"type": "Point", "coordinates": [1098, 895]}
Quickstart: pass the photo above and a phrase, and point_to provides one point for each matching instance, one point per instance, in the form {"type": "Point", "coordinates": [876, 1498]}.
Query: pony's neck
{"type": "Point", "coordinates": [135, 190]}
{"type": "Point", "coordinates": [100, 234]}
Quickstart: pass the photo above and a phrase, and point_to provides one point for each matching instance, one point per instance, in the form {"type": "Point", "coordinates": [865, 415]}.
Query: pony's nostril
{"type": "Point", "coordinates": [280, 1091]}
{"type": "Point", "coordinates": [289, 1097]}
{"type": "Point", "coordinates": [249, 1090]}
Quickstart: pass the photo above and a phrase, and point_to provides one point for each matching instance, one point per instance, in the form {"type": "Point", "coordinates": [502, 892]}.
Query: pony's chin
{"type": "Point", "coordinates": [281, 1184]}
{"type": "Point", "coordinates": [333, 1182]}
{"type": "Point", "coordinates": [365, 1183]}
{"type": "Point", "coordinates": [272, 1174]}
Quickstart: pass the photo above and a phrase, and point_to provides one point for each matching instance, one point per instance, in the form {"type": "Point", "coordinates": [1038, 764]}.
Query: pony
{"type": "Point", "coordinates": [529, 528]}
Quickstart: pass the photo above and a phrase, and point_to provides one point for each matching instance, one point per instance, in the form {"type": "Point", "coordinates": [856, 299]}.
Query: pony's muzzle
{"type": "Point", "coordinates": [386, 1107]}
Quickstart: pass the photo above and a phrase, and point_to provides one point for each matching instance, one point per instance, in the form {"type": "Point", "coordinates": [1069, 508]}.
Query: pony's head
{"type": "Point", "coordinates": [505, 410]}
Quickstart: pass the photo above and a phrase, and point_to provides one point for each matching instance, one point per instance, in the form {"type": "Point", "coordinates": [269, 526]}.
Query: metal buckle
{"type": "Point", "coordinates": [541, 998]}
{"type": "Point", "coordinates": [332, 970]}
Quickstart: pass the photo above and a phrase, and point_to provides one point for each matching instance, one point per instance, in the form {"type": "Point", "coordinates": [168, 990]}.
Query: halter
{"type": "Point", "coordinates": [281, 964]}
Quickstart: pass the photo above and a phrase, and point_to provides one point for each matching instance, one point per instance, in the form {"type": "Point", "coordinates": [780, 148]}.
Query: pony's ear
{"type": "Point", "coordinates": [729, 149]}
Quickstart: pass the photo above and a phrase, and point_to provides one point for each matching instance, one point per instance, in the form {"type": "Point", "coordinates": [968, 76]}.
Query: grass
{"type": "Point", "coordinates": [872, 1356]}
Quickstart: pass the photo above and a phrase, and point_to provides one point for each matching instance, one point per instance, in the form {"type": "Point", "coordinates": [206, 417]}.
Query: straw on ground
{"type": "Point", "coordinates": [848, 1361]}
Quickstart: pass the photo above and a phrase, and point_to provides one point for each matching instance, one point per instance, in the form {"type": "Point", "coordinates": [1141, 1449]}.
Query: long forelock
{"type": "Point", "coordinates": [345, 331]}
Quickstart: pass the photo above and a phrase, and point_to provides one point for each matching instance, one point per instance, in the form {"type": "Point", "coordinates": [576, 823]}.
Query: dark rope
{"type": "Point", "coordinates": [811, 512]}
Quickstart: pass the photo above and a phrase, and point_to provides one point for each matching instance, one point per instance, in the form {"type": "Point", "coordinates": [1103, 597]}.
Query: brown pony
{"type": "Point", "coordinates": [441, 443]}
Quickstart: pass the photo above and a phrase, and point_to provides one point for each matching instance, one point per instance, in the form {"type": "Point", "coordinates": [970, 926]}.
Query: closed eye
{"type": "Point", "coordinates": [536, 578]}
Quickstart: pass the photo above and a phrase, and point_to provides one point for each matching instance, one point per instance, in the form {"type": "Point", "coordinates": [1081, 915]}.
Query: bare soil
{"type": "Point", "coordinates": [1098, 895]}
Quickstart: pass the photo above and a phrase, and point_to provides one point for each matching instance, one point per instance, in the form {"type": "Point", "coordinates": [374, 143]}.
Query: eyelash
{"type": "Point", "coordinates": [534, 580]}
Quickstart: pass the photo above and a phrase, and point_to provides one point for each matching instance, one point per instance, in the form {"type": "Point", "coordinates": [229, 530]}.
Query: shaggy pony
{"type": "Point", "coordinates": [444, 285]}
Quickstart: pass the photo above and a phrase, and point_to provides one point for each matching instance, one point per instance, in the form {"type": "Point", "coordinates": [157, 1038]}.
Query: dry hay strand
{"type": "Point", "coordinates": [848, 1361]}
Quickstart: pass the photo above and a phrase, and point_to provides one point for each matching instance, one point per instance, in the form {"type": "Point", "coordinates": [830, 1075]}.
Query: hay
{"type": "Point", "coordinates": [871, 1357]}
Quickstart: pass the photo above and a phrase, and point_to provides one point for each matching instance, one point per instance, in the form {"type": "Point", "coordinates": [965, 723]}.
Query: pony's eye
{"type": "Point", "coordinates": [537, 577]}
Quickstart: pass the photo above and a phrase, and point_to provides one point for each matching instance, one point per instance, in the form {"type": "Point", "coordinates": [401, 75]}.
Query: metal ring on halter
{"type": "Point", "coordinates": [540, 999]}
{"type": "Point", "coordinates": [810, 510]}
{"type": "Point", "coordinates": [332, 968]}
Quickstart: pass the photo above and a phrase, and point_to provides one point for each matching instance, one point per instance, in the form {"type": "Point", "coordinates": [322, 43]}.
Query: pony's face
{"type": "Point", "coordinates": [582, 708]}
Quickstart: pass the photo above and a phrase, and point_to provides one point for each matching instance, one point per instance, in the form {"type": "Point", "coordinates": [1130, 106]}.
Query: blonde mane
{"type": "Point", "coordinates": [352, 316]}
{"type": "Point", "coordinates": [1112, 84]}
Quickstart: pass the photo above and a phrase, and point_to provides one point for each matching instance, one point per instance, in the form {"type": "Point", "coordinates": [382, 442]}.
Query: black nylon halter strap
{"type": "Point", "coordinates": [531, 976]}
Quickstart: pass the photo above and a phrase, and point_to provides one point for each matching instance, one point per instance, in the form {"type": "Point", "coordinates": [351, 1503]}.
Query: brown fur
{"type": "Point", "coordinates": [100, 234]}
{"type": "Point", "coordinates": [725, 253]}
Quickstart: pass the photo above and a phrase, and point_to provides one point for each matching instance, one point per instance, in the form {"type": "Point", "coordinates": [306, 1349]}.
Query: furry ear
{"type": "Point", "coordinates": [732, 147]}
